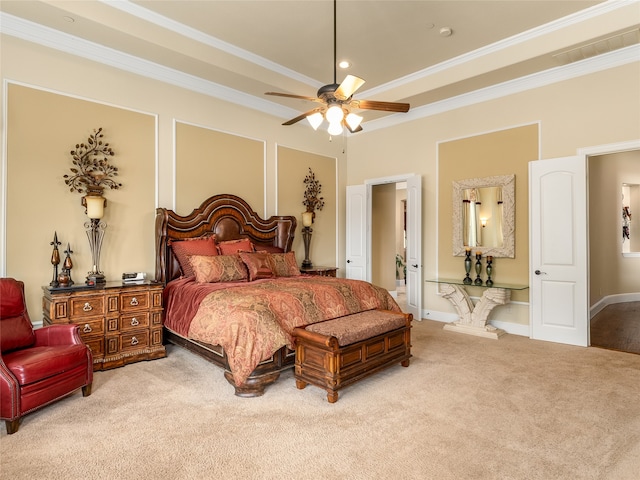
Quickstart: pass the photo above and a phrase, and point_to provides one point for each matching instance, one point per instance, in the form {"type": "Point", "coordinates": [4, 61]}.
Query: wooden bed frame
{"type": "Point", "coordinates": [230, 218]}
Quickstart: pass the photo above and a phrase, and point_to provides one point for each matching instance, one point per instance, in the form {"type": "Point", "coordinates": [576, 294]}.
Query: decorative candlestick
{"type": "Point", "coordinates": [55, 259]}
{"type": "Point", "coordinates": [65, 277]}
{"type": "Point", "coordinates": [467, 267]}
{"type": "Point", "coordinates": [478, 280]}
{"type": "Point", "coordinates": [489, 282]}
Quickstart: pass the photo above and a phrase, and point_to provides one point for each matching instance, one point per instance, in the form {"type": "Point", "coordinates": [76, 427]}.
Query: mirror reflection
{"type": "Point", "coordinates": [483, 215]}
{"type": "Point", "coordinates": [630, 224]}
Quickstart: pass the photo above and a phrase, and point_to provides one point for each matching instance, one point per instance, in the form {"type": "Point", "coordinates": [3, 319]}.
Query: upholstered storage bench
{"type": "Point", "coordinates": [339, 352]}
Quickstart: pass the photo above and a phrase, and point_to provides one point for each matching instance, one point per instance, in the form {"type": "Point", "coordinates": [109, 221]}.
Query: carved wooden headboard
{"type": "Point", "coordinates": [228, 217]}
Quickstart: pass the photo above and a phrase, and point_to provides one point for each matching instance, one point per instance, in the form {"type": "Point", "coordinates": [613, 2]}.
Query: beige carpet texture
{"type": "Point", "coordinates": [466, 408]}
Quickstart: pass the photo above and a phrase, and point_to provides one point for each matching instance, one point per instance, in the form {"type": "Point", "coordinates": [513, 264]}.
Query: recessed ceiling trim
{"type": "Point", "coordinates": [532, 34]}
{"type": "Point", "coordinates": [194, 34]}
{"type": "Point", "coordinates": [588, 66]}
{"type": "Point", "coordinates": [51, 38]}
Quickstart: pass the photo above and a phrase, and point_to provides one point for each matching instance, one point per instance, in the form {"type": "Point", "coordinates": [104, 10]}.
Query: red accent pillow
{"type": "Point", "coordinates": [192, 246]}
{"type": "Point", "coordinates": [259, 265]}
{"type": "Point", "coordinates": [231, 247]}
{"type": "Point", "coordinates": [218, 268]}
{"type": "Point", "coordinates": [285, 265]}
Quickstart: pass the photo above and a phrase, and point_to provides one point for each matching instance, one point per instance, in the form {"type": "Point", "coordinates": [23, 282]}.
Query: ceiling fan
{"type": "Point", "coordinates": [338, 102]}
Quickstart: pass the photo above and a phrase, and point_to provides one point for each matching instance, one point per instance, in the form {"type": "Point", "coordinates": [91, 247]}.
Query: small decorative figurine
{"type": "Point", "coordinates": [64, 279]}
{"type": "Point", "coordinates": [55, 259]}
{"type": "Point", "coordinates": [478, 280]}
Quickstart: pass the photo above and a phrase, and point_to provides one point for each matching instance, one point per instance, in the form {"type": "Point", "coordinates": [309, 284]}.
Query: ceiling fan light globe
{"type": "Point", "coordinates": [315, 120]}
{"type": "Point", "coordinates": [335, 128]}
{"type": "Point", "coordinates": [353, 121]}
{"type": "Point", "coordinates": [334, 114]}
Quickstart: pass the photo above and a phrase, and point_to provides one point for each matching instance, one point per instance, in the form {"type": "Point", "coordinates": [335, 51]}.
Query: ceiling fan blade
{"type": "Point", "coordinates": [348, 87]}
{"type": "Point", "coordinates": [301, 116]}
{"type": "Point", "coordinates": [289, 95]}
{"type": "Point", "coordinates": [382, 106]}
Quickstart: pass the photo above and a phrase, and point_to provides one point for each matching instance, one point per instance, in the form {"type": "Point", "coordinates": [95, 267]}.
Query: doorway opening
{"type": "Point", "coordinates": [389, 239]}
{"type": "Point", "coordinates": [613, 262]}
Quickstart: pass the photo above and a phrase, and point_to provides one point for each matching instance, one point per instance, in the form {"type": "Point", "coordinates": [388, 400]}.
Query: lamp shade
{"type": "Point", "coordinates": [315, 120]}
{"type": "Point", "coordinates": [307, 219]}
{"type": "Point", "coordinates": [95, 206]}
{"type": "Point", "coordinates": [353, 121]}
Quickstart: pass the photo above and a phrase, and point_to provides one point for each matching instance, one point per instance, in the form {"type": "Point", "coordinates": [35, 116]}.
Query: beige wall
{"type": "Point", "coordinates": [505, 152]}
{"type": "Point", "coordinates": [610, 272]}
{"type": "Point", "coordinates": [43, 128]}
{"type": "Point", "coordinates": [141, 118]}
{"type": "Point", "coordinates": [205, 161]}
{"type": "Point", "coordinates": [293, 167]}
{"type": "Point", "coordinates": [383, 236]}
{"type": "Point", "coordinates": [571, 114]}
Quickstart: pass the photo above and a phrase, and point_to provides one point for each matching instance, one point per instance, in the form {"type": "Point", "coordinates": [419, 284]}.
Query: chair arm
{"type": "Point", "coordinates": [58, 335]}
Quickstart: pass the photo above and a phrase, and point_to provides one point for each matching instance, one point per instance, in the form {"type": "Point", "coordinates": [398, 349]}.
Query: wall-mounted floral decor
{"type": "Point", "coordinates": [91, 171]}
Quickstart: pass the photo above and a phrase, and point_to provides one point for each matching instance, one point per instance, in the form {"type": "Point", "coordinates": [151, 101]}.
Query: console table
{"type": "Point", "coordinates": [474, 318]}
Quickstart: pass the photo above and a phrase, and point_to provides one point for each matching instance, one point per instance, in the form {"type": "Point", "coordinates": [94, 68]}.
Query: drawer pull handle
{"type": "Point", "coordinates": [134, 341]}
{"type": "Point", "coordinates": [87, 307]}
{"type": "Point", "coordinates": [134, 301]}
{"type": "Point", "coordinates": [87, 328]}
{"type": "Point", "coordinates": [134, 322]}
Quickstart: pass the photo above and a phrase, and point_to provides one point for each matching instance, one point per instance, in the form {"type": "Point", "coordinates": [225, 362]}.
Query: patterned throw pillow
{"type": "Point", "coordinates": [285, 265]}
{"type": "Point", "coordinates": [259, 265]}
{"type": "Point", "coordinates": [192, 246]}
{"type": "Point", "coordinates": [218, 268]}
{"type": "Point", "coordinates": [230, 247]}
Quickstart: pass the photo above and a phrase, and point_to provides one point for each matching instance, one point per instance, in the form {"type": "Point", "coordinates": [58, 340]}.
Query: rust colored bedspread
{"type": "Point", "coordinates": [251, 321]}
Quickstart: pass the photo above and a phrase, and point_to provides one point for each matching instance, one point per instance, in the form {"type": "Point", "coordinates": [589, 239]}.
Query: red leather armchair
{"type": "Point", "coordinates": [39, 366]}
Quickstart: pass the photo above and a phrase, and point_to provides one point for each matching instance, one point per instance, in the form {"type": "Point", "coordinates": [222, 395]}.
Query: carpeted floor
{"type": "Point", "coordinates": [617, 327]}
{"type": "Point", "coordinates": [466, 408]}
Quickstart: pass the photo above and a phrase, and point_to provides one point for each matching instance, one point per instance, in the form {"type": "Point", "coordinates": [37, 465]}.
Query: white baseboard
{"type": "Point", "coordinates": [613, 299]}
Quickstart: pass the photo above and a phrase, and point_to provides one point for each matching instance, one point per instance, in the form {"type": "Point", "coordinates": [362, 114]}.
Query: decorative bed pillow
{"type": "Point", "coordinates": [268, 248]}
{"type": "Point", "coordinates": [259, 265]}
{"type": "Point", "coordinates": [230, 247]}
{"type": "Point", "coordinates": [192, 246]}
{"type": "Point", "coordinates": [285, 265]}
{"type": "Point", "coordinates": [218, 268]}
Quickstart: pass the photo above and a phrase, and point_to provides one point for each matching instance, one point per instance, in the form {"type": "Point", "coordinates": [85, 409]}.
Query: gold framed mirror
{"type": "Point", "coordinates": [484, 216]}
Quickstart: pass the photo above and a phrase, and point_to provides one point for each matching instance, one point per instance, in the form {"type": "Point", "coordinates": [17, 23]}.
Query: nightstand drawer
{"type": "Point", "coordinates": [134, 301]}
{"type": "Point", "coordinates": [88, 306]}
{"type": "Point", "coordinates": [90, 327]}
{"type": "Point", "coordinates": [134, 321]}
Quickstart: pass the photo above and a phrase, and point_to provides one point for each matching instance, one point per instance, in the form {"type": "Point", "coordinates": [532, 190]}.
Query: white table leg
{"type": "Point", "coordinates": [474, 319]}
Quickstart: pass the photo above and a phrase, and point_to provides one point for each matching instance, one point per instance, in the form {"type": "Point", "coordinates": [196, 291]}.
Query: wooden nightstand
{"type": "Point", "coordinates": [120, 323]}
{"type": "Point", "coordinates": [320, 271]}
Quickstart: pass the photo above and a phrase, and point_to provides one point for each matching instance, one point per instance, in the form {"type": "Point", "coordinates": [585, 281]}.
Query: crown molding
{"type": "Point", "coordinates": [200, 37]}
{"type": "Point", "coordinates": [51, 38]}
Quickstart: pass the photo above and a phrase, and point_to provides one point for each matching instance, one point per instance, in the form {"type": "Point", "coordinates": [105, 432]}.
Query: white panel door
{"type": "Point", "coordinates": [558, 255]}
{"type": "Point", "coordinates": [356, 232]}
{"type": "Point", "coordinates": [414, 246]}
